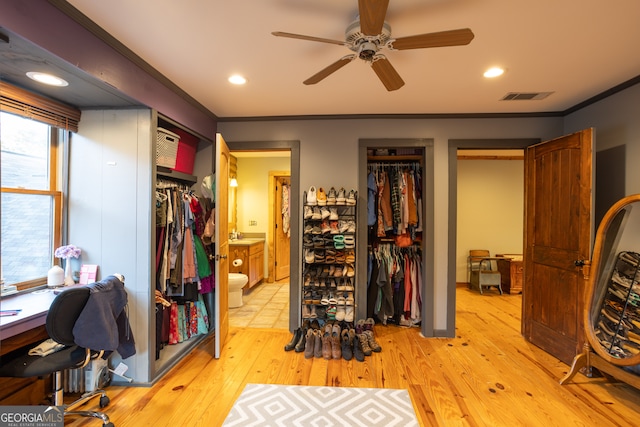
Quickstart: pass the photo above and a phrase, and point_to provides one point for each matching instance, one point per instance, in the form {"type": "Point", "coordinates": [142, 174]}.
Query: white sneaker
{"type": "Point", "coordinates": [351, 200]}
{"type": "Point", "coordinates": [351, 226]}
{"type": "Point", "coordinates": [325, 213]}
{"type": "Point", "coordinates": [308, 212]}
{"type": "Point", "coordinates": [311, 196]}
{"type": "Point", "coordinates": [341, 198]}
{"type": "Point", "coordinates": [309, 256]}
{"type": "Point", "coordinates": [316, 213]}
{"type": "Point", "coordinates": [331, 196]}
{"type": "Point", "coordinates": [333, 213]}
{"type": "Point", "coordinates": [348, 316]}
{"type": "Point", "coordinates": [343, 226]}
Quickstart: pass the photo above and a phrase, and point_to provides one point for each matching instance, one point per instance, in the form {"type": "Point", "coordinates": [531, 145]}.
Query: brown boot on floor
{"type": "Point", "coordinates": [364, 342]}
{"type": "Point", "coordinates": [336, 345]}
{"type": "Point", "coordinates": [326, 341]}
{"type": "Point", "coordinates": [310, 344]}
{"type": "Point", "coordinates": [317, 349]}
{"type": "Point", "coordinates": [372, 342]}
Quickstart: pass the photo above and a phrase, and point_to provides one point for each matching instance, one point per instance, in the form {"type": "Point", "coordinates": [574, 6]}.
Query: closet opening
{"type": "Point", "coordinates": [396, 235]}
{"type": "Point", "coordinates": [184, 273]}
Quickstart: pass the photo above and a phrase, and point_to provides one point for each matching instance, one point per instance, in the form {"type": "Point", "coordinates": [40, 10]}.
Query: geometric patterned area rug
{"type": "Point", "coordinates": [288, 405]}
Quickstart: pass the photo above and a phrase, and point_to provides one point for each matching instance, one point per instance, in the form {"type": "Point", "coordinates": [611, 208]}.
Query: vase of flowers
{"type": "Point", "coordinates": [67, 252]}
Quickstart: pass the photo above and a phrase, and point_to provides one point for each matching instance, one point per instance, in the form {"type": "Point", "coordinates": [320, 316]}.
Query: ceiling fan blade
{"type": "Point", "coordinates": [321, 75]}
{"type": "Point", "coordinates": [310, 38]}
{"type": "Point", "coordinates": [444, 38]}
{"type": "Point", "coordinates": [387, 74]}
{"type": "Point", "coordinates": [372, 14]}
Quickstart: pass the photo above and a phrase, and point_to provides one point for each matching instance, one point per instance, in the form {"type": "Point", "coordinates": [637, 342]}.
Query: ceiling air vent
{"type": "Point", "coordinates": [525, 96]}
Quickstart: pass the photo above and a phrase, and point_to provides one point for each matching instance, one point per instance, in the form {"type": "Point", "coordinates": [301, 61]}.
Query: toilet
{"type": "Point", "coordinates": [236, 283]}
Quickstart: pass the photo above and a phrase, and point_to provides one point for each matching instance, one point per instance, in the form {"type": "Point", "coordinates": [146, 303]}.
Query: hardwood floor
{"type": "Point", "coordinates": [488, 375]}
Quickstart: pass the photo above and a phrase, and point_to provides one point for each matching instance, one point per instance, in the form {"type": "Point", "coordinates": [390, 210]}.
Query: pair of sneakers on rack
{"type": "Point", "coordinates": [317, 213]}
{"type": "Point", "coordinates": [341, 197]}
{"type": "Point", "coordinates": [321, 198]}
{"type": "Point", "coordinates": [316, 197]}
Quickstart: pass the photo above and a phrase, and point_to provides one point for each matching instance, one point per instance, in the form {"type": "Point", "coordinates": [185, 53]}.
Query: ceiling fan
{"type": "Point", "coordinates": [370, 33]}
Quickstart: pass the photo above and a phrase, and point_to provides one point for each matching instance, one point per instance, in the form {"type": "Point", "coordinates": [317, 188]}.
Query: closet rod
{"type": "Point", "coordinates": [395, 164]}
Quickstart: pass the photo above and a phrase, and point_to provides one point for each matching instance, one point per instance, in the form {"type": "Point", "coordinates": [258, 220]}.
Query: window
{"type": "Point", "coordinates": [31, 203]}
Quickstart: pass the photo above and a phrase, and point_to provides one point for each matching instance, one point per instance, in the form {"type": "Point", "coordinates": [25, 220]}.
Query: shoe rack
{"type": "Point", "coordinates": [329, 255]}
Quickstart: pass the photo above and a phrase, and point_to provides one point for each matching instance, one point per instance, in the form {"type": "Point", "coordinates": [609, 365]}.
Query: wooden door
{"type": "Point", "coordinates": [558, 229]}
{"type": "Point", "coordinates": [281, 241]}
{"type": "Point", "coordinates": [222, 244]}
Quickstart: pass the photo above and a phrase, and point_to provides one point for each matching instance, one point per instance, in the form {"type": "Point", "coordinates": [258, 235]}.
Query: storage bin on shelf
{"type": "Point", "coordinates": [167, 148]}
{"type": "Point", "coordinates": [186, 154]}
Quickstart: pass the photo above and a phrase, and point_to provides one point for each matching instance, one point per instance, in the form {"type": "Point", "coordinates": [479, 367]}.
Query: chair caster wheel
{"type": "Point", "coordinates": [104, 401]}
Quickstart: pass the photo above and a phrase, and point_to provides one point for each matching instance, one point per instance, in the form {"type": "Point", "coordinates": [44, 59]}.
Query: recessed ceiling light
{"type": "Point", "coordinates": [237, 79]}
{"type": "Point", "coordinates": [47, 79]}
{"type": "Point", "coordinates": [493, 72]}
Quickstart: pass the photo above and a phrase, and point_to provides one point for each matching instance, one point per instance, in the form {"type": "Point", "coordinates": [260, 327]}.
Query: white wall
{"type": "Point", "coordinates": [490, 209]}
{"type": "Point", "coordinates": [329, 155]}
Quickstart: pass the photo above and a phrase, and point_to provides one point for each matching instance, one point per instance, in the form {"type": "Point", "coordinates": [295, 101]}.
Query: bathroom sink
{"type": "Point", "coordinates": [245, 241]}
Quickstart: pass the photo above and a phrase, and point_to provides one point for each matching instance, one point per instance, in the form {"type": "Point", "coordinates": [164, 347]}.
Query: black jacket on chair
{"type": "Point", "coordinates": [103, 323]}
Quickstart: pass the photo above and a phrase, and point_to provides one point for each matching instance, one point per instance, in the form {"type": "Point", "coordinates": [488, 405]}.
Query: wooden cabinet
{"type": "Point", "coordinates": [510, 268]}
{"type": "Point", "coordinates": [251, 253]}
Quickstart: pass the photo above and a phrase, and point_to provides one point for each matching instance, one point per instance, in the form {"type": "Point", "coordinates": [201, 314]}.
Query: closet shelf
{"type": "Point", "coordinates": [175, 175]}
{"type": "Point", "coordinates": [401, 158]}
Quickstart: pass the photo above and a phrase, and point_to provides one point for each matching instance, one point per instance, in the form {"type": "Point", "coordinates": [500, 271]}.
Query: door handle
{"type": "Point", "coordinates": [585, 265]}
{"type": "Point", "coordinates": [219, 257]}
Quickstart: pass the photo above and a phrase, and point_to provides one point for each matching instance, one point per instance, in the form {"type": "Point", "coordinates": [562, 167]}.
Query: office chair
{"type": "Point", "coordinates": [481, 271]}
{"type": "Point", "coordinates": [62, 315]}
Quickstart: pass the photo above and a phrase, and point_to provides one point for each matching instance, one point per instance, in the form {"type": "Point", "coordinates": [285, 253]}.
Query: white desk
{"type": "Point", "coordinates": [34, 306]}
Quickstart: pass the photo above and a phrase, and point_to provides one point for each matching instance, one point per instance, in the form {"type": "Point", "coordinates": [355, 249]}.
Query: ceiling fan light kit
{"type": "Point", "coordinates": [370, 33]}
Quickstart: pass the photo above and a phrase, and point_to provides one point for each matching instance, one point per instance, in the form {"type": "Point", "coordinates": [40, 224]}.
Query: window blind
{"type": "Point", "coordinates": [37, 107]}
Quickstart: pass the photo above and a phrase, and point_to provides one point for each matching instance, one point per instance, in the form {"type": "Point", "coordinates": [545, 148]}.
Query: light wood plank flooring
{"type": "Point", "coordinates": [488, 375]}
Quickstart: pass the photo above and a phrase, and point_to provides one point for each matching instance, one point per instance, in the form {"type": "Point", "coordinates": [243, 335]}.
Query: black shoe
{"type": "Point", "coordinates": [294, 340]}
{"type": "Point", "coordinates": [357, 349]}
{"type": "Point", "coordinates": [301, 341]}
{"type": "Point", "coordinates": [347, 346]}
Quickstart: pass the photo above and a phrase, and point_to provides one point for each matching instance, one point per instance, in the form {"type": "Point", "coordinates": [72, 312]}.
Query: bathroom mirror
{"type": "Point", "coordinates": [612, 313]}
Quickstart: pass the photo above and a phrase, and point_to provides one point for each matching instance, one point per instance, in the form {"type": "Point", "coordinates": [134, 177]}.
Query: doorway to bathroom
{"type": "Point", "coordinates": [262, 210]}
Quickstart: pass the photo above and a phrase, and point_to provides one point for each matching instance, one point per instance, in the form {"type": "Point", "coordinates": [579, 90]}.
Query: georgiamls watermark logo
{"type": "Point", "coordinates": [31, 416]}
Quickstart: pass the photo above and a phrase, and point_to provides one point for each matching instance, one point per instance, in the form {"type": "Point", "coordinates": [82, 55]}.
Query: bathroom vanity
{"type": "Point", "coordinates": [251, 252]}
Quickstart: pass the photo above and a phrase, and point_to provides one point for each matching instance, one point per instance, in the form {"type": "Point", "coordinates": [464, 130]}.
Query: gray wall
{"type": "Point", "coordinates": [110, 194]}
{"type": "Point", "coordinates": [329, 155]}
{"type": "Point", "coordinates": [616, 120]}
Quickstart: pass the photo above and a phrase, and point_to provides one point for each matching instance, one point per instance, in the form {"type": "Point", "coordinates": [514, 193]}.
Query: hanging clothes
{"type": "Point", "coordinates": [286, 210]}
{"type": "Point", "coordinates": [395, 285]}
{"type": "Point", "coordinates": [185, 268]}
